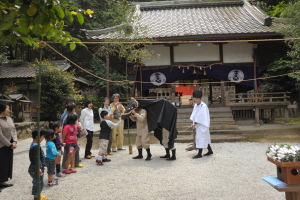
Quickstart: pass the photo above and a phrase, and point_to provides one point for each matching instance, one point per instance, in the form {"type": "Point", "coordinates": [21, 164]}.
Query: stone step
{"type": "Point", "coordinates": [212, 118]}
{"type": "Point", "coordinates": [219, 109]}
{"type": "Point", "coordinates": [212, 123]}
{"type": "Point", "coordinates": [222, 120]}
{"type": "Point", "coordinates": [212, 115]}
{"type": "Point", "coordinates": [190, 110]}
{"type": "Point", "coordinates": [211, 109]}
{"type": "Point", "coordinates": [215, 138]}
{"type": "Point", "coordinates": [220, 128]}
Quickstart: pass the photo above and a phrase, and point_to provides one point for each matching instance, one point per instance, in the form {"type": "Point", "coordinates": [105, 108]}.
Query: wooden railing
{"type": "Point", "coordinates": [257, 98]}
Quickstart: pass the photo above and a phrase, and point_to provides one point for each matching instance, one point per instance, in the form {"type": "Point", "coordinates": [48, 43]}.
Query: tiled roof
{"type": "Point", "coordinates": [83, 80]}
{"type": "Point", "coordinates": [16, 72]}
{"type": "Point", "coordinates": [22, 70]}
{"type": "Point", "coordinates": [192, 18]}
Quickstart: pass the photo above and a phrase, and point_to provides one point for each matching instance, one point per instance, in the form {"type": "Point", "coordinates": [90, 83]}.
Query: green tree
{"type": "Point", "coordinates": [276, 11]}
{"type": "Point", "coordinates": [292, 14]}
{"type": "Point", "coordinates": [56, 86]}
{"type": "Point", "coordinates": [117, 14]}
{"type": "Point", "coordinates": [35, 20]}
{"type": "Point", "coordinates": [281, 66]}
{"type": "Point", "coordinates": [3, 55]}
{"type": "Point", "coordinates": [97, 66]}
{"type": "Point", "coordinates": [291, 62]}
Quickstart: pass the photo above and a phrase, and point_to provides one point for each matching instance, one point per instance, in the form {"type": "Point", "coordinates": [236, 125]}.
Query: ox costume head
{"type": "Point", "coordinates": [132, 104]}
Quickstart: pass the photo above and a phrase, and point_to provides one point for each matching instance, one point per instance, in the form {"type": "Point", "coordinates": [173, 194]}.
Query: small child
{"type": "Point", "coordinates": [55, 126]}
{"type": "Point", "coordinates": [51, 153]}
{"type": "Point", "coordinates": [70, 138]}
{"type": "Point", "coordinates": [106, 125]}
{"type": "Point", "coordinates": [33, 160]}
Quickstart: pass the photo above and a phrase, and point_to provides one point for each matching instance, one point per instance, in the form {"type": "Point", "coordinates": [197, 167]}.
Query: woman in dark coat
{"type": "Point", "coordinates": [8, 142]}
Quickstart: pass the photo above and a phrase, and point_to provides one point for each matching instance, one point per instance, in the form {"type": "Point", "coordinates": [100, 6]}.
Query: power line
{"type": "Point", "coordinates": [183, 41]}
{"type": "Point", "coordinates": [125, 81]}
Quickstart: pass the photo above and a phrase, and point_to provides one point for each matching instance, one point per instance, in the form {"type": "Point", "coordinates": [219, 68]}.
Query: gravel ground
{"type": "Point", "coordinates": [233, 172]}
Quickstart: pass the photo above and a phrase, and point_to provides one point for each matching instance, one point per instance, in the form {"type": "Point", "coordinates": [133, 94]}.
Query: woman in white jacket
{"type": "Point", "coordinates": [87, 120]}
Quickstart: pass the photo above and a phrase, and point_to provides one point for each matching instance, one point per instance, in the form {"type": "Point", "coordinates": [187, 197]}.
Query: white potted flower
{"type": "Point", "coordinates": [284, 153]}
{"type": "Point", "coordinates": [287, 160]}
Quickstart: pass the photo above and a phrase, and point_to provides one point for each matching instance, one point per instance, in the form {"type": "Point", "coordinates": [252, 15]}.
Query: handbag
{"type": "Point", "coordinates": [82, 133]}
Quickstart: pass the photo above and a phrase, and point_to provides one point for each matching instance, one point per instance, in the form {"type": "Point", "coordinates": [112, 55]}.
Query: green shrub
{"type": "Point", "coordinates": [57, 85]}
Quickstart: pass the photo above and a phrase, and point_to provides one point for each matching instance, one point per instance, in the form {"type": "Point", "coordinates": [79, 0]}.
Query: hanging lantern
{"type": "Point", "coordinates": [204, 72]}
{"type": "Point", "coordinates": [194, 72]}
{"type": "Point", "coordinates": [183, 70]}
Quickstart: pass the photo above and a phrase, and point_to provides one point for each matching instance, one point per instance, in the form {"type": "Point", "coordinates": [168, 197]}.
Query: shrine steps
{"type": "Point", "coordinates": [221, 120]}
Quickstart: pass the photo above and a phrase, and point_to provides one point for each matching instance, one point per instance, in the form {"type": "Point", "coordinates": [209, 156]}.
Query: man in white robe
{"type": "Point", "coordinates": [201, 121]}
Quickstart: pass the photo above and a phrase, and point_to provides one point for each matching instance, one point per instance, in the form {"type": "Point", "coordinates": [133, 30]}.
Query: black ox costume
{"type": "Point", "coordinates": [161, 118]}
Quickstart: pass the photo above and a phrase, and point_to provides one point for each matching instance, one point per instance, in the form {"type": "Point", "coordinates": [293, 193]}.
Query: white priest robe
{"type": "Point", "coordinates": [200, 115]}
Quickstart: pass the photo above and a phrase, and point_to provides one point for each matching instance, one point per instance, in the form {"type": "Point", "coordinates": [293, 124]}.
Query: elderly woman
{"type": "Point", "coordinates": [8, 142]}
{"type": "Point", "coordinates": [117, 109]}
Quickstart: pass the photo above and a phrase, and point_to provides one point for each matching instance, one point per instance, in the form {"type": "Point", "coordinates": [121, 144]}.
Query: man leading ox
{"type": "Point", "coordinates": [201, 121]}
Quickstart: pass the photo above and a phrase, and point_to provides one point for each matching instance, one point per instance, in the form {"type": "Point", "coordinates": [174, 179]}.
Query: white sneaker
{"type": "Point", "coordinates": [60, 174]}
{"type": "Point", "coordinates": [54, 177]}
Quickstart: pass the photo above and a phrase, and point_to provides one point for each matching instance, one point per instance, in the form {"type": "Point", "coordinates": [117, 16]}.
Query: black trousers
{"type": "Point", "coordinates": [89, 143]}
{"type": "Point", "coordinates": [6, 163]}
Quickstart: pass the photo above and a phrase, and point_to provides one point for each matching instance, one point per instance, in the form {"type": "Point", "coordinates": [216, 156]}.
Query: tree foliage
{"type": "Point", "coordinates": [119, 15]}
{"type": "Point", "coordinates": [57, 85]}
{"type": "Point", "coordinates": [281, 66]}
{"type": "Point", "coordinates": [276, 11]}
{"type": "Point", "coordinates": [3, 56]}
{"type": "Point", "coordinates": [98, 67]}
{"type": "Point", "coordinates": [291, 62]}
{"type": "Point", "coordinates": [34, 20]}
{"type": "Point", "coordinates": [292, 14]}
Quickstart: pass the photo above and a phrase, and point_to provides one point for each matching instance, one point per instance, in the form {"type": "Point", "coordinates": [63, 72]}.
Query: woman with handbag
{"type": "Point", "coordinates": [87, 121]}
{"type": "Point", "coordinates": [8, 142]}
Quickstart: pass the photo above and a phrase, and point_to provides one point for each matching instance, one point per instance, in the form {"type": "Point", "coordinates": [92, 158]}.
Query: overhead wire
{"type": "Point", "coordinates": [177, 42]}
{"type": "Point", "coordinates": [191, 65]}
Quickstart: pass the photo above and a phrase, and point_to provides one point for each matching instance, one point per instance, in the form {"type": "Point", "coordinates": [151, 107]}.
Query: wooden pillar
{"type": "Point", "coordinates": [292, 195]}
{"type": "Point", "coordinates": [272, 116]}
{"type": "Point", "coordinates": [141, 79]}
{"type": "Point", "coordinates": [227, 98]}
{"type": "Point", "coordinates": [172, 93]}
{"type": "Point", "coordinates": [286, 115]}
{"type": "Point", "coordinates": [107, 76]}
{"type": "Point", "coordinates": [256, 117]}
{"type": "Point", "coordinates": [222, 94]}
{"type": "Point", "coordinates": [210, 92]}
{"type": "Point", "coordinates": [255, 81]}
{"type": "Point", "coordinates": [262, 113]}
{"type": "Point", "coordinates": [1, 90]}
{"type": "Point", "coordinates": [28, 88]}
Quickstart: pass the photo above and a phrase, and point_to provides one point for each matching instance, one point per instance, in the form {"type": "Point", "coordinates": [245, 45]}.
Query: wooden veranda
{"type": "Point", "coordinates": [244, 104]}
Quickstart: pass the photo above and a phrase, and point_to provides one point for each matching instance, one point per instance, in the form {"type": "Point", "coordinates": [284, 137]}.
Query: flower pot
{"type": "Point", "coordinates": [288, 172]}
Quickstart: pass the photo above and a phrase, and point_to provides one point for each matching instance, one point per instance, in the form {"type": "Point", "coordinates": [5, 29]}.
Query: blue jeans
{"type": "Point", "coordinates": [33, 174]}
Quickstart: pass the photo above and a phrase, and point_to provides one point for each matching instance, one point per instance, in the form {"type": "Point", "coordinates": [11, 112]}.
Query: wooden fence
{"type": "Point", "coordinates": [257, 98]}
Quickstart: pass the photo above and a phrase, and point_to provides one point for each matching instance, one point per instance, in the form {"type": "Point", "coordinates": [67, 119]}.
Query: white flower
{"type": "Point", "coordinates": [284, 153]}
{"type": "Point", "coordinates": [272, 150]}
{"type": "Point", "coordinates": [292, 151]}
{"type": "Point", "coordinates": [285, 150]}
